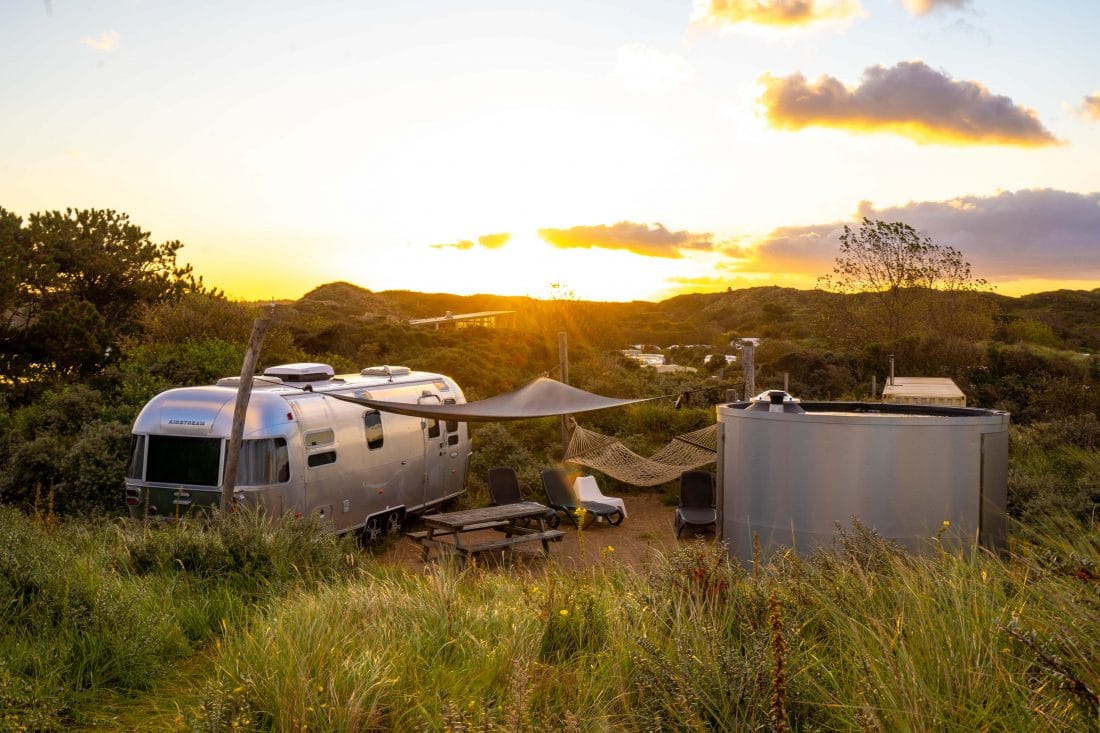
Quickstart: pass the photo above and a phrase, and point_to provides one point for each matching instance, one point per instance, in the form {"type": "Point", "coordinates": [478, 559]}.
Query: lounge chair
{"type": "Point", "coordinates": [586, 489]}
{"type": "Point", "coordinates": [696, 507]}
{"type": "Point", "coordinates": [504, 489]}
{"type": "Point", "coordinates": [560, 497]}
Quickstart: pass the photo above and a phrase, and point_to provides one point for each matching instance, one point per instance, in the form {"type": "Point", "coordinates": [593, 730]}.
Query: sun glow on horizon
{"type": "Point", "coordinates": [525, 266]}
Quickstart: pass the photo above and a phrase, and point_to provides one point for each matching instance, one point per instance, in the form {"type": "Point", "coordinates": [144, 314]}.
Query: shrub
{"type": "Point", "coordinates": [93, 468]}
{"type": "Point", "coordinates": [255, 553]}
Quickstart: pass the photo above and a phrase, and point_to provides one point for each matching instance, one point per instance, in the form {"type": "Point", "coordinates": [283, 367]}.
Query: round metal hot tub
{"type": "Point", "coordinates": [790, 473]}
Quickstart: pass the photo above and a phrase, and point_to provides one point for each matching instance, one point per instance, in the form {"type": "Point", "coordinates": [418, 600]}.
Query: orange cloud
{"type": "Point", "coordinates": [1090, 108]}
{"type": "Point", "coordinates": [1029, 234]}
{"type": "Point", "coordinates": [923, 7]}
{"type": "Point", "coordinates": [107, 41]}
{"type": "Point", "coordinates": [651, 240]}
{"type": "Point", "coordinates": [460, 244]}
{"type": "Point", "coordinates": [488, 241]}
{"type": "Point", "coordinates": [910, 99]}
{"type": "Point", "coordinates": [494, 241]}
{"type": "Point", "coordinates": [776, 13]}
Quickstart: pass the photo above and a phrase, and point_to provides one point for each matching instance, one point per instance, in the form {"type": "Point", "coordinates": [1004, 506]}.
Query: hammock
{"type": "Point", "coordinates": [611, 457]}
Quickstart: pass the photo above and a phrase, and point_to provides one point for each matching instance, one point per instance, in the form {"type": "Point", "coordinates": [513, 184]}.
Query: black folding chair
{"type": "Point", "coordinates": [504, 489]}
{"type": "Point", "coordinates": [696, 507]}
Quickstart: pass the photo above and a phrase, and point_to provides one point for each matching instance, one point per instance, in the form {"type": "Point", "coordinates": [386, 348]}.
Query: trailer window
{"type": "Point", "coordinates": [373, 423]}
{"type": "Point", "coordinates": [177, 460]}
{"type": "Point", "coordinates": [320, 437]}
{"type": "Point", "coordinates": [321, 459]}
{"type": "Point", "coordinates": [433, 428]}
{"type": "Point", "coordinates": [452, 426]}
{"type": "Point", "coordinates": [263, 462]}
{"type": "Point", "coordinates": [137, 457]}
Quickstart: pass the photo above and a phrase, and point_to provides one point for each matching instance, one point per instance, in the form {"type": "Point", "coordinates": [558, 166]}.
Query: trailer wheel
{"type": "Point", "coordinates": [381, 526]}
{"type": "Point", "coordinates": [373, 530]}
{"type": "Point", "coordinates": [394, 520]}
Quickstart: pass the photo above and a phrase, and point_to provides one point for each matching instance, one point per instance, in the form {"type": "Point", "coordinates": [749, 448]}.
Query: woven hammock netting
{"type": "Point", "coordinates": [608, 455]}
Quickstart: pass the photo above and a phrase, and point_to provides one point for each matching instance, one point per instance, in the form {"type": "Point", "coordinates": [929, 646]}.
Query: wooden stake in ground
{"type": "Point", "coordinates": [244, 392]}
{"type": "Point", "coordinates": [563, 364]}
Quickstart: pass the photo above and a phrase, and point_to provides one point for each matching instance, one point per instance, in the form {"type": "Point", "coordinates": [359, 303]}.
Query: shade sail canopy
{"type": "Point", "coordinates": [541, 398]}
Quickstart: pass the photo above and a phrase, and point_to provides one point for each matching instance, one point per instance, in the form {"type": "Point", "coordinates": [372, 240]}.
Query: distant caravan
{"type": "Point", "coordinates": [304, 451]}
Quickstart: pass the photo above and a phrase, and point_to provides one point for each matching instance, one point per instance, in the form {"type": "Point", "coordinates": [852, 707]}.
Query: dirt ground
{"type": "Point", "coordinates": [647, 530]}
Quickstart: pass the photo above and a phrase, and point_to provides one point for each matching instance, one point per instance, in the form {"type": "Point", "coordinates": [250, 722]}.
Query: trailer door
{"type": "Point", "coordinates": [435, 453]}
{"type": "Point", "coordinates": [455, 462]}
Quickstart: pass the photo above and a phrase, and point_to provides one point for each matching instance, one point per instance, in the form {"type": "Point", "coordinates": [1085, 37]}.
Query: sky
{"type": "Point", "coordinates": [605, 150]}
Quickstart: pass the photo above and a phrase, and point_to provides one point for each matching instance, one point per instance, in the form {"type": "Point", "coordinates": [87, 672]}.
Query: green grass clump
{"type": "Point", "coordinates": [256, 553]}
{"type": "Point", "coordinates": [1055, 469]}
{"type": "Point", "coordinates": [69, 623]}
{"type": "Point", "coordinates": [93, 606]}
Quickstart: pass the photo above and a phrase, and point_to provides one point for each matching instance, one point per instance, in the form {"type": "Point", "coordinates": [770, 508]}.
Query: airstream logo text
{"type": "Point", "coordinates": [178, 421]}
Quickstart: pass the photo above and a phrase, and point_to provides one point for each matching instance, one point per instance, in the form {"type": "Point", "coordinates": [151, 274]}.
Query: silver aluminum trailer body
{"type": "Point", "coordinates": [303, 452]}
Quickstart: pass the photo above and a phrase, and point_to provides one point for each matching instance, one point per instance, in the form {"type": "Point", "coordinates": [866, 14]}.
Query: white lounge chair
{"type": "Point", "coordinates": [586, 489]}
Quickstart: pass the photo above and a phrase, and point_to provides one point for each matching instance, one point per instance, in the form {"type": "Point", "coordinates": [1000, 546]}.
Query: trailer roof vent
{"type": "Point", "coordinates": [303, 372]}
{"type": "Point", "coordinates": [386, 371]}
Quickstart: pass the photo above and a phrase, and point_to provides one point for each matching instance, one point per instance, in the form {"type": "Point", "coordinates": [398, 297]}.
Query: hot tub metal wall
{"type": "Point", "coordinates": [791, 478]}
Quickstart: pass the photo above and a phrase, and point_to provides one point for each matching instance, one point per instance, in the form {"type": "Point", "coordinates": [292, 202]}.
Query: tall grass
{"type": "Point", "coordinates": [280, 629]}
{"type": "Point", "coordinates": [863, 638]}
{"type": "Point", "coordinates": [87, 606]}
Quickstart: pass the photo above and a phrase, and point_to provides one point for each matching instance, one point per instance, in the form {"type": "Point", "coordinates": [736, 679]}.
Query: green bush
{"type": "Point", "coordinates": [257, 554]}
{"type": "Point", "coordinates": [93, 468]}
{"type": "Point", "coordinates": [1054, 469]}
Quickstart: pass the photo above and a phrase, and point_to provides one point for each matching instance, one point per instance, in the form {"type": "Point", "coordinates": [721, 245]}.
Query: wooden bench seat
{"type": "Point", "coordinates": [550, 535]}
{"type": "Point", "coordinates": [421, 534]}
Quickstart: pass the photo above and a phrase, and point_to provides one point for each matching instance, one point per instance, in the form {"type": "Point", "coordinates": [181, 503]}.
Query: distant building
{"type": "Point", "coordinates": [486, 319]}
{"type": "Point", "coordinates": [673, 368]}
{"type": "Point", "coordinates": [644, 359]}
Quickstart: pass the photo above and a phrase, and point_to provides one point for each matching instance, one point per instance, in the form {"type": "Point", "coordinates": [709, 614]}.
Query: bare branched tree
{"type": "Point", "coordinates": [909, 278]}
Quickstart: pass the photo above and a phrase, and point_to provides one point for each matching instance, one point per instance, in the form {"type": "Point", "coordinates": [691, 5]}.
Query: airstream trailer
{"type": "Point", "coordinates": [303, 451]}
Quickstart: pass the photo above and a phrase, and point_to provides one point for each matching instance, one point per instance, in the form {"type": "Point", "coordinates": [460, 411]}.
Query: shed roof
{"type": "Point", "coordinates": [923, 390]}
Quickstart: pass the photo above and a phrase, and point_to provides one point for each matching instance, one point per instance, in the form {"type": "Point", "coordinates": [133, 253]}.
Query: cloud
{"type": "Point", "coordinates": [494, 241]}
{"type": "Point", "coordinates": [643, 68]}
{"type": "Point", "coordinates": [460, 244]}
{"type": "Point", "coordinates": [923, 7]}
{"type": "Point", "coordinates": [1090, 107]}
{"type": "Point", "coordinates": [107, 41]}
{"type": "Point", "coordinates": [488, 241]}
{"type": "Point", "coordinates": [651, 240]}
{"type": "Point", "coordinates": [910, 99]}
{"type": "Point", "coordinates": [1037, 233]}
{"type": "Point", "coordinates": [775, 13]}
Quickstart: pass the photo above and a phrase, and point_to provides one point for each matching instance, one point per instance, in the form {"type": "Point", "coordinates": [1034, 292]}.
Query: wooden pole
{"type": "Point", "coordinates": [244, 392]}
{"type": "Point", "coordinates": [748, 364]}
{"type": "Point", "coordinates": [563, 367]}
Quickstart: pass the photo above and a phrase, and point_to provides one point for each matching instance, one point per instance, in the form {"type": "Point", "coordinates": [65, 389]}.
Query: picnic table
{"type": "Point", "coordinates": [447, 531]}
